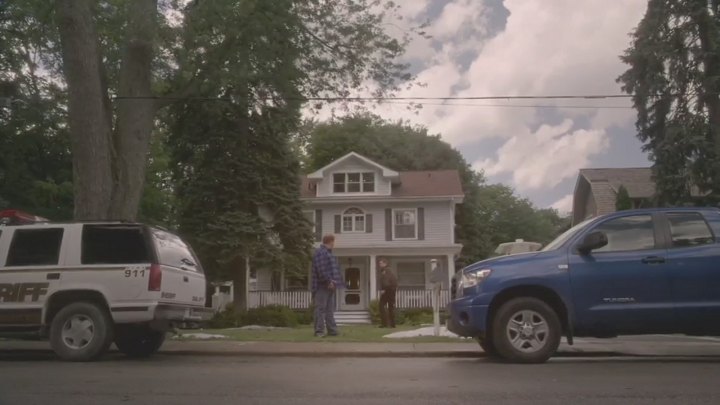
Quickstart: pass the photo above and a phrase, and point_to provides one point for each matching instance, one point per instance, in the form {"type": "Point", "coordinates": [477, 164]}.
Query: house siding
{"type": "Point", "coordinates": [383, 186]}
{"type": "Point", "coordinates": [437, 216]}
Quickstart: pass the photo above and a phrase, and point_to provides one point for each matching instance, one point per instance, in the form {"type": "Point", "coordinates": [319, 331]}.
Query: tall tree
{"type": "Point", "coordinates": [119, 62]}
{"type": "Point", "coordinates": [674, 77]}
{"type": "Point", "coordinates": [623, 200]}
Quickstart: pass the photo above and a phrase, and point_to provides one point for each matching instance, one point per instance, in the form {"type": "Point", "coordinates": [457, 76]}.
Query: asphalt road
{"type": "Point", "coordinates": [209, 380]}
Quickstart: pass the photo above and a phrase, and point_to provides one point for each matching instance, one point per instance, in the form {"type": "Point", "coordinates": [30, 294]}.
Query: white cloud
{"type": "Point", "coordinates": [546, 157]}
{"type": "Point", "coordinates": [548, 47]}
{"type": "Point", "coordinates": [564, 205]}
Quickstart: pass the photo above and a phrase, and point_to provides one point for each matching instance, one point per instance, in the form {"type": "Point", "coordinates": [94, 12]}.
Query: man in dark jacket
{"type": "Point", "coordinates": [388, 285]}
{"type": "Point", "coordinates": [326, 279]}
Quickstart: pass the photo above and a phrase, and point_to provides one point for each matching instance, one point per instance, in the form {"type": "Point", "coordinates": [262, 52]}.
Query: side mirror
{"type": "Point", "coordinates": [592, 241]}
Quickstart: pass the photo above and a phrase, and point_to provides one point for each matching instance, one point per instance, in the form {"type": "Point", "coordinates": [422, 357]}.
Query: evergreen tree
{"type": "Point", "coordinates": [623, 200]}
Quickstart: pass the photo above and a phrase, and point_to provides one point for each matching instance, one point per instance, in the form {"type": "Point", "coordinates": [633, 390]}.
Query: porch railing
{"type": "Point", "coordinates": [292, 299]}
{"type": "Point", "coordinates": [405, 299]}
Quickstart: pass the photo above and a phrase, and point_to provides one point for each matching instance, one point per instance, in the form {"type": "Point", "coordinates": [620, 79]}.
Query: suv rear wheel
{"type": "Point", "coordinates": [526, 330]}
{"type": "Point", "coordinates": [81, 331]}
{"type": "Point", "coordinates": [138, 341]}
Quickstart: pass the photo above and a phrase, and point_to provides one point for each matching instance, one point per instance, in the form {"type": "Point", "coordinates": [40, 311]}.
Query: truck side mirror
{"type": "Point", "coordinates": [592, 241]}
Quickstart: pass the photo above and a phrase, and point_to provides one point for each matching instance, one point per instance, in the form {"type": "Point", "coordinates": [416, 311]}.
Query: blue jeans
{"type": "Point", "coordinates": [325, 311]}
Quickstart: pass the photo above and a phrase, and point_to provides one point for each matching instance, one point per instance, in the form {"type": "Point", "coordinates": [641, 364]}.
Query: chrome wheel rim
{"type": "Point", "coordinates": [528, 331]}
{"type": "Point", "coordinates": [78, 332]}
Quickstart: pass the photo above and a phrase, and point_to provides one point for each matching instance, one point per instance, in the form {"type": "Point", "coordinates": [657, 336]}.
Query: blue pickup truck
{"type": "Point", "coordinates": [627, 273]}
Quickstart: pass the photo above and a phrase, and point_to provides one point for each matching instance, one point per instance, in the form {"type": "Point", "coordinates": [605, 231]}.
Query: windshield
{"type": "Point", "coordinates": [560, 240]}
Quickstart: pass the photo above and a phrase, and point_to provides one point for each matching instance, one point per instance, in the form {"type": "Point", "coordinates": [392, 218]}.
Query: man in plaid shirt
{"type": "Point", "coordinates": [326, 279]}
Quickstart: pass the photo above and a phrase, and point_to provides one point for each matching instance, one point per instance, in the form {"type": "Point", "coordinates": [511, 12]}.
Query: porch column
{"type": "Point", "coordinates": [373, 277]}
{"type": "Point", "coordinates": [451, 269]}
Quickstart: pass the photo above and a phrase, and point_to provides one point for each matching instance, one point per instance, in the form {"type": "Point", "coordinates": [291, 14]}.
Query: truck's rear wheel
{"type": "Point", "coordinates": [138, 341]}
{"type": "Point", "coordinates": [526, 330]}
{"type": "Point", "coordinates": [81, 331]}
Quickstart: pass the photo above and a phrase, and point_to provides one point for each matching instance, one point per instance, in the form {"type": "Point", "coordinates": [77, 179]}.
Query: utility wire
{"type": "Point", "coordinates": [601, 107]}
{"type": "Point", "coordinates": [542, 97]}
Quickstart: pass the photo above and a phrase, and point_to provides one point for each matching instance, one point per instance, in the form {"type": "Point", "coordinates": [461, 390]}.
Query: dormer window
{"type": "Point", "coordinates": [356, 182]}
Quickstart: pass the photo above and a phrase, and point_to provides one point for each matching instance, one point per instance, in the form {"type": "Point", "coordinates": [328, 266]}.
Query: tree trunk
{"type": "Point", "coordinates": [135, 116]}
{"type": "Point", "coordinates": [240, 282]}
{"type": "Point", "coordinates": [90, 128]}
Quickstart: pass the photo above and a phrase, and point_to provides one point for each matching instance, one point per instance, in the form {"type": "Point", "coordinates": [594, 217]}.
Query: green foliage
{"type": "Point", "coordinates": [623, 200]}
{"type": "Point", "coordinates": [674, 66]}
{"type": "Point", "coordinates": [271, 315]}
{"type": "Point", "coordinates": [305, 316]}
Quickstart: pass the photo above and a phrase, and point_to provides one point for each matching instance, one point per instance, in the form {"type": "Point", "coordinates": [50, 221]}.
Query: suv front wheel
{"type": "Point", "coordinates": [81, 331]}
{"type": "Point", "coordinates": [526, 330]}
{"type": "Point", "coordinates": [138, 341]}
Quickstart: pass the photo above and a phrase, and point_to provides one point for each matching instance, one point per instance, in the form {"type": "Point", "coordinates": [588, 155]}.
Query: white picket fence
{"type": "Point", "coordinates": [301, 299]}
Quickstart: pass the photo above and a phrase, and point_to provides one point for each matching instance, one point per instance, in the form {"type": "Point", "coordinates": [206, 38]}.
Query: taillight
{"type": "Point", "coordinates": [155, 278]}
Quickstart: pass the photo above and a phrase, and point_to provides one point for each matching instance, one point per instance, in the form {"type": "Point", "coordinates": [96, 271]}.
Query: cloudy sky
{"type": "Point", "coordinates": [525, 47]}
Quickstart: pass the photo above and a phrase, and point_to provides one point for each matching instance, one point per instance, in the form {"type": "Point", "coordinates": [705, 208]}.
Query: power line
{"type": "Point", "coordinates": [601, 107]}
{"type": "Point", "coordinates": [468, 98]}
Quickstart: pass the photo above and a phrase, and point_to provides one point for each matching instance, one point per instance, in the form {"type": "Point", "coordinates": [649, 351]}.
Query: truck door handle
{"type": "Point", "coordinates": [53, 276]}
{"type": "Point", "coordinates": [186, 279]}
{"type": "Point", "coordinates": [653, 260]}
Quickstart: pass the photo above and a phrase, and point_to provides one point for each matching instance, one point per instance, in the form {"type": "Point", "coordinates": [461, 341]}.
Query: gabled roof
{"type": "Point", "coordinates": [319, 174]}
{"type": "Point", "coordinates": [637, 180]}
{"type": "Point", "coordinates": [433, 183]}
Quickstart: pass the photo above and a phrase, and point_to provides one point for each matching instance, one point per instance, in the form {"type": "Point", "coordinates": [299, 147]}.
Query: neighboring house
{"type": "Point", "coordinates": [596, 190]}
{"type": "Point", "coordinates": [374, 211]}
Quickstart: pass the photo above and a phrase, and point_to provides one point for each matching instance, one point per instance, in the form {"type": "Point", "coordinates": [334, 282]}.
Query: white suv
{"type": "Point", "coordinates": [87, 285]}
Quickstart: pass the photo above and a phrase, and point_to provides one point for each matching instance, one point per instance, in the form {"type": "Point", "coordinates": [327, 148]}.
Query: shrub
{"type": "Point", "coordinates": [374, 309]}
{"type": "Point", "coordinates": [271, 315]}
{"type": "Point", "coordinates": [417, 316]}
{"type": "Point", "coordinates": [305, 317]}
{"type": "Point", "coordinates": [229, 318]}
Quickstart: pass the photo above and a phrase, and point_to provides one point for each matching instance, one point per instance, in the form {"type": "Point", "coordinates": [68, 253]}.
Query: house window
{"type": "Point", "coordinates": [354, 182]}
{"type": "Point", "coordinates": [353, 220]}
{"type": "Point", "coordinates": [405, 223]}
{"type": "Point", "coordinates": [310, 216]}
{"type": "Point", "coordinates": [411, 275]}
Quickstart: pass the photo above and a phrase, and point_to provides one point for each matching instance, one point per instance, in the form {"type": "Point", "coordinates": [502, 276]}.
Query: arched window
{"type": "Point", "coordinates": [353, 220]}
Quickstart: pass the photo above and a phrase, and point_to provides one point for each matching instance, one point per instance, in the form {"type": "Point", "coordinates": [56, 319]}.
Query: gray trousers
{"type": "Point", "coordinates": [325, 311]}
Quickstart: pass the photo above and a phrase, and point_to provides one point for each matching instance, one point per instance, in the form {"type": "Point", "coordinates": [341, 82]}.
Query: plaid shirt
{"type": "Point", "coordinates": [325, 269]}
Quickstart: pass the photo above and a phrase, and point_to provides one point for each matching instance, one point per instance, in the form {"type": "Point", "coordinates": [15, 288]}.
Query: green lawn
{"type": "Point", "coordinates": [355, 333]}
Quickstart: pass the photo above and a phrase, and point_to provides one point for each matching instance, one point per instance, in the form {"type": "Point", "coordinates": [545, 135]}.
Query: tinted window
{"type": "Point", "coordinates": [172, 251]}
{"type": "Point", "coordinates": [35, 247]}
{"type": "Point", "coordinates": [628, 233]}
{"type": "Point", "coordinates": [689, 229]}
{"type": "Point", "coordinates": [109, 244]}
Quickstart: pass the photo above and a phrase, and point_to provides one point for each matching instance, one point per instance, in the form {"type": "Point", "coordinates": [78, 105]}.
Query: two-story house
{"type": "Point", "coordinates": [374, 212]}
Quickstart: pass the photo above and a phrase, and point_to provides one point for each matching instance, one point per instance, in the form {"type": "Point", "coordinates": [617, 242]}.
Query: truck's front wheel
{"type": "Point", "coordinates": [526, 330]}
{"type": "Point", "coordinates": [138, 341]}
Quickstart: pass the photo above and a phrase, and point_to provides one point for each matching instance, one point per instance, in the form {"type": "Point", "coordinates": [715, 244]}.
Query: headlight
{"type": "Point", "coordinates": [473, 278]}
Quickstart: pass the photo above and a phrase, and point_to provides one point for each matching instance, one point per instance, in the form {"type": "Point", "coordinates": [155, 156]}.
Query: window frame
{"type": "Point", "coordinates": [395, 224]}
{"type": "Point", "coordinates": [667, 228]}
{"type": "Point", "coordinates": [659, 240]}
{"type": "Point", "coordinates": [314, 220]}
{"type": "Point", "coordinates": [396, 266]}
{"type": "Point", "coordinates": [13, 237]}
{"type": "Point", "coordinates": [361, 182]}
{"type": "Point", "coordinates": [353, 220]}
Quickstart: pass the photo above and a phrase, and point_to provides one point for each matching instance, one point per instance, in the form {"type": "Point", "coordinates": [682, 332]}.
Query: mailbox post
{"type": "Point", "coordinates": [436, 278]}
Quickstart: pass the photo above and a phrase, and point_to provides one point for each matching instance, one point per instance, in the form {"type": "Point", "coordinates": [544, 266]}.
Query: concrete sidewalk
{"type": "Point", "coordinates": [653, 346]}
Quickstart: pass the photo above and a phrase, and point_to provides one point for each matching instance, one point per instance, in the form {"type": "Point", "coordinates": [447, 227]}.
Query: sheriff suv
{"type": "Point", "coordinates": [652, 271]}
{"type": "Point", "coordinates": [86, 285]}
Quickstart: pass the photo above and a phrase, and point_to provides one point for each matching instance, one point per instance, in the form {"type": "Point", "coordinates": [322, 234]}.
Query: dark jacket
{"type": "Point", "coordinates": [388, 280]}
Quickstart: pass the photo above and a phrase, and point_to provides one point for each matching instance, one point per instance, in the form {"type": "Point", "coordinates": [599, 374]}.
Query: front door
{"type": "Point", "coordinates": [353, 296]}
{"type": "Point", "coordinates": [624, 287]}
